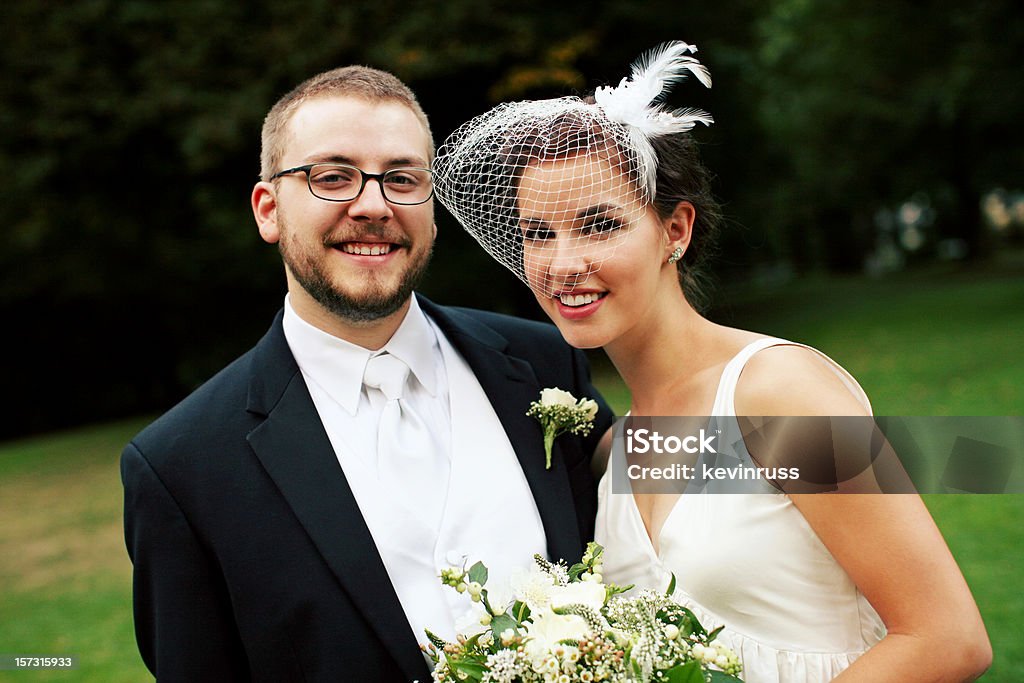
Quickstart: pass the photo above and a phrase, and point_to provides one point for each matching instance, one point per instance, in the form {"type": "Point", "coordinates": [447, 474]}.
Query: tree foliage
{"type": "Point", "coordinates": [868, 103]}
{"type": "Point", "coordinates": [129, 143]}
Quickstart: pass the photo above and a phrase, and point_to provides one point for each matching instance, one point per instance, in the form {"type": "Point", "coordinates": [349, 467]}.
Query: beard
{"type": "Point", "coordinates": [375, 300]}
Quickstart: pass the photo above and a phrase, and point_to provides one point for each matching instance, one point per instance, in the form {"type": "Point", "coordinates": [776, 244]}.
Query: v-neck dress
{"type": "Point", "coordinates": [748, 561]}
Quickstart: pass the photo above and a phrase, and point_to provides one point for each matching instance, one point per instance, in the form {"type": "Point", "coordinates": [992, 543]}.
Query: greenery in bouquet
{"type": "Point", "coordinates": [559, 624]}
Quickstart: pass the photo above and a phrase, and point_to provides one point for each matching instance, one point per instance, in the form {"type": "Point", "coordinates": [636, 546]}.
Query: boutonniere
{"type": "Point", "coordinates": [559, 412]}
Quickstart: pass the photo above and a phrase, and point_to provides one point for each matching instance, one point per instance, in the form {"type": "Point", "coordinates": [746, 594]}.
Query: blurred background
{"type": "Point", "coordinates": [869, 156]}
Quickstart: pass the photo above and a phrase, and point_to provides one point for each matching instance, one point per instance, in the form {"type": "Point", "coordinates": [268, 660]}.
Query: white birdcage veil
{"type": "Point", "coordinates": [562, 181]}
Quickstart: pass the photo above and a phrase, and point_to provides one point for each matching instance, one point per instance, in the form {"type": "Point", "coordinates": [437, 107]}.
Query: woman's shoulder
{"type": "Point", "coordinates": [792, 379]}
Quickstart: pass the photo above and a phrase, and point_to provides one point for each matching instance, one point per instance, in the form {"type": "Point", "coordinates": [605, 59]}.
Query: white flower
{"type": "Point", "coordinates": [504, 666]}
{"type": "Point", "coordinates": [547, 629]}
{"type": "Point", "coordinates": [557, 397]}
{"type": "Point", "coordinates": [560, 573]}
{"type": "Point", "coordinates": [584, 593]}
{"type": "Point", "coordinates": [532, 587]}
{"type": "Point", "coordinates": [470, 623]}
{"type": "Point", "coordinates": [499, 597]}
{"type": "Point", "coordinates": [589, 406]}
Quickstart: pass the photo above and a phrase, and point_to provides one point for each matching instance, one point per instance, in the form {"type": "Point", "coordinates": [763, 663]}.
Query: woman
{"type": "Point", "coordinates": [603, 208]}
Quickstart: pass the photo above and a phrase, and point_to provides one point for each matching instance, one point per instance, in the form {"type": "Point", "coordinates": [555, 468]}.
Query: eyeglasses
{"type": "Point", "coordinates": [342, 183]}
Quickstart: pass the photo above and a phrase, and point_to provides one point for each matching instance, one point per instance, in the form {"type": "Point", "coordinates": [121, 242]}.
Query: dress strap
{"type": "Point", "coordinates": [725, 397]}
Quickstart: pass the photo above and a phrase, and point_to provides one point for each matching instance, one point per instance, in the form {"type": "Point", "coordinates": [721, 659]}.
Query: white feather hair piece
{"type": "Point", "coordinates": [634, 101]}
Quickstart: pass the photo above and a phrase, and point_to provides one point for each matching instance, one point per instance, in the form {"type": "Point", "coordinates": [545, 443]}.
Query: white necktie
{"type": "Point", "coordinates": [407, 459]}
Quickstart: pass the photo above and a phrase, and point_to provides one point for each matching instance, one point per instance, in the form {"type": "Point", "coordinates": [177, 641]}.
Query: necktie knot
{"type": "Point", "coordinates": [387, 373]}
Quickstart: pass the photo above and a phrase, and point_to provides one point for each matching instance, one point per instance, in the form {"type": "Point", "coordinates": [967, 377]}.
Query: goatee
{"type": "Point", "coordinates": [367, 307]}
{"type": "Point", "coordinates": [374, 301]}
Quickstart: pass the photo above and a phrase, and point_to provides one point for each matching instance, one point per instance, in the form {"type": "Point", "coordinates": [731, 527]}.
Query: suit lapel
{"type": "Point", "coordinates": [510, 385]}
{"type": "Point", "coordinates": [293, 447]}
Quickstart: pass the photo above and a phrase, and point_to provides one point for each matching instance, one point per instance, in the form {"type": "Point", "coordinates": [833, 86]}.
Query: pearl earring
{"type": "Point", "coordinates": [676, 255]}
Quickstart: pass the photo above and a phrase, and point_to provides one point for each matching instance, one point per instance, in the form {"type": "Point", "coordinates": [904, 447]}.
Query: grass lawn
{"type": "Point", "coordinates": [947, 345]}
{"type": "Point", "coordinates": [987, 539]}
{"type": "Point", "coordinates": [64, 571]}
{"type": "Point", "coordinates": [942, 342]}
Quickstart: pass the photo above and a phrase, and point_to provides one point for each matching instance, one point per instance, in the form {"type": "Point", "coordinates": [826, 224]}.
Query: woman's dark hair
{"type": "Point", "coordinates": [682, 177]}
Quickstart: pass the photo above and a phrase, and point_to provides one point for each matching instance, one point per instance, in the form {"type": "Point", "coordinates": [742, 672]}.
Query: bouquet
{"type": "Point", "coordinates": [563, 624]}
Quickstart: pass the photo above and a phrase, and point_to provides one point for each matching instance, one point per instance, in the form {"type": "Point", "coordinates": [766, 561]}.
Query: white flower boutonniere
{"type": "Point", "coordinates": [558, 412]}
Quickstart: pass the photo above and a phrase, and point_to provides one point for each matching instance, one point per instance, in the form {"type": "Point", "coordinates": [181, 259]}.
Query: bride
{"type": "Point", "coordinates": [603, 208]}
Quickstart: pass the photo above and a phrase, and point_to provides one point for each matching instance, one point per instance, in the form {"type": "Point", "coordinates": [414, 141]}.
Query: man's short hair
{"type": "Point", "coordinates": [363, 82]}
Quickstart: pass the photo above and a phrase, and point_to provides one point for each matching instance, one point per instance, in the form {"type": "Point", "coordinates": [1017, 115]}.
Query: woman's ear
{"type": "Point", "coordinates": [264, 209]}
{"type": "Point", "coordinates": [679, 227]}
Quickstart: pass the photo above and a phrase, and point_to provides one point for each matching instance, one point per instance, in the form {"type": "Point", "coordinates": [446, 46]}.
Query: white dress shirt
{"type": "Point", "coordinates": [484, 473]}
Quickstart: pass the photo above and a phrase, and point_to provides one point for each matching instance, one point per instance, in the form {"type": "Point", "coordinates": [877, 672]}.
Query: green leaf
{"type": "Point", "coordinates": [521, 611]}
{"type": "Point", "coordinates": [692, 625]}
{"type": "Point", "coordinates": [478, 573]}
{"type": "Point", "coordinates": [469, 670]}
{"type": "Point", "coordinates": [576, 570]}
{"type": "Point", "coordinates": [714, 634]}
{"type": "Point", "coordinates": [722, 677]}
{"type": "Point", "coordinates": [671, 586]}
{"type": "Point", "coordinates": [472, 643]}
{"type": "Point", "coordinates": [690, 672]}
{"type": "Point", "coordinates": [502, 622]}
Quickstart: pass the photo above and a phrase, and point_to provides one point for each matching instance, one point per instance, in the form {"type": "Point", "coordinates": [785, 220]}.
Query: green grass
{"type": "Point", "coordinates": [934, 343]}
{"type": "Point", "coordinates": [987, 539]}
{"type": "Point", "coordinates": [64, 571]}
{"type": "Point", "coordinates": [920, 345]}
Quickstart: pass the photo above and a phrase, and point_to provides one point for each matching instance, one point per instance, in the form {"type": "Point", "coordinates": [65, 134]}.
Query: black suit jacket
{"type": "Point", "coordinates": [251, 558]}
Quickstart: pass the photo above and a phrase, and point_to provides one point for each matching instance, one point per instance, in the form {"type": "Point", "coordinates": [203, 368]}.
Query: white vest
{"type": "Point", "coordinates": [489, 515]}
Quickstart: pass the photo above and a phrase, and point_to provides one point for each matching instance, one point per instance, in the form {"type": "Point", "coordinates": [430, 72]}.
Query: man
{"type": "Point", "coordinates": [288, 520]}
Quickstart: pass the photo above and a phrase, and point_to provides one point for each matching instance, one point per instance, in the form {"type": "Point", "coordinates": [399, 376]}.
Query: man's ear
{"type": "Point", "coordinates": [264, 209]}
{"type": "Point", "coordinates": [679, 227]}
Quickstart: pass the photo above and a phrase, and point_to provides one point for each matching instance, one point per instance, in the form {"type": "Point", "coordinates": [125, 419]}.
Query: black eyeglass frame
{"type": "Point", "coordinates": [364, 176]}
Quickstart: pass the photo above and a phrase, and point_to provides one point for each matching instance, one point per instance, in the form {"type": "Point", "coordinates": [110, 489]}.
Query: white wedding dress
{"type": "Point", "coordinates": [750, 562]}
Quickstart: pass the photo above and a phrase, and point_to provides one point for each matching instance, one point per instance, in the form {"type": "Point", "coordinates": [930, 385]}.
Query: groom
{"type": "Point", "coordinates": [288, 520]}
